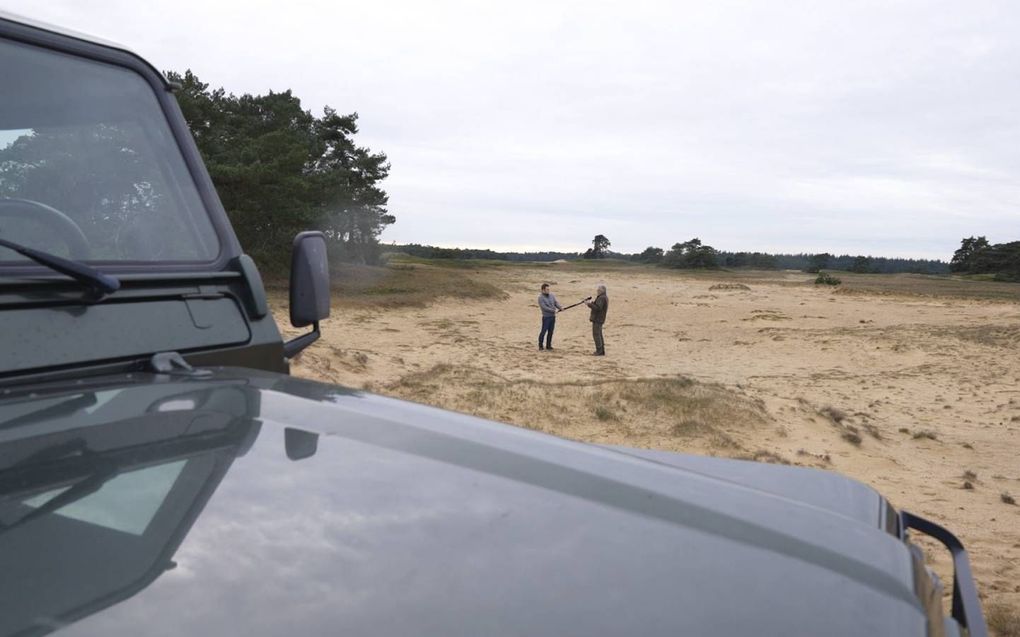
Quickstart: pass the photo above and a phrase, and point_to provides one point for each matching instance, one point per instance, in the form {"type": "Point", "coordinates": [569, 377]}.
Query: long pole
{"type": "Point", "coordinates": [575, 304]}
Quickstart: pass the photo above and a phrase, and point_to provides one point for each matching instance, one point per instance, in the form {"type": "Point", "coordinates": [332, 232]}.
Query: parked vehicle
{"type": "Point", "coordinates": [161, 473]}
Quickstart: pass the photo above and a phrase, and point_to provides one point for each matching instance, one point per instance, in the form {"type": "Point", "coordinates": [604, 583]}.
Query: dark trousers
{"type": "Point", "coordinates": [548, 325]}
{"type": "Point", "coordinates": [596, 334]}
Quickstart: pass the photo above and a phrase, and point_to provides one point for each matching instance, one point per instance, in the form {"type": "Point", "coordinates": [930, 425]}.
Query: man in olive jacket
{"type": "Point", "coordinates": [599, 308]}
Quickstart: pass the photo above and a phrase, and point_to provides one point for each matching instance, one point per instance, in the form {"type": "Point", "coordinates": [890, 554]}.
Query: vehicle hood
{"type": "Point", "coordinates": [241, 502]}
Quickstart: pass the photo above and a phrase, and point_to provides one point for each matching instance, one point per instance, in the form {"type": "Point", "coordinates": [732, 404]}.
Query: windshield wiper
{"type": "Point", "coordinates": [75, 493]}
{"type": "Point", "coordinates": [95, 280]}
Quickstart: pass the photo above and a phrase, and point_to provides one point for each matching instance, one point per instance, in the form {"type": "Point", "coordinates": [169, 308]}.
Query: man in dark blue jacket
{"type": "Point", "coordinates": [549, 305]}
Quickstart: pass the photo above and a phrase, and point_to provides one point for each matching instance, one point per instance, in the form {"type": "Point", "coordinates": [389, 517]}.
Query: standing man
{"type": "Point", "coordinates": [549, 305]}
{"type": "Point", "coordinates": [599, 308]}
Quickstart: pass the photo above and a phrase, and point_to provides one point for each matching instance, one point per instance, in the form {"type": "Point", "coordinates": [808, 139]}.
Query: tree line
{"type": "Point", "coordinates": [977, 255]}
{"type": "Point", "coordinates": [694, 254]}
{"type": "Point", "coordinates": [433, 252]}
{"type": "Point", "coordinates": [279, 170]}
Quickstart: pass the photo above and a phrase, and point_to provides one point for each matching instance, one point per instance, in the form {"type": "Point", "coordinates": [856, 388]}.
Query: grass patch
{"type": "Point", "coordinates": [656, 394]}
{"type": "Point", "coordinates": [672, 413]}
{"type": "Point", "coordinates": [1007, 498]}
{"type": "Point", "coordinates": [1004, 620]}
{"type": "Point", "coordinates": [400, 285]}
{"type": "Point", "coordinates": [925, 434]}
{"type": "Point", "coordinates": [935, 286]}
{"type": "Point", "coordinates": [694, 408]}
{"type": "Point", "coordinates": [990, 335]}
{"type": "Point", "coordinates": [585, 265]}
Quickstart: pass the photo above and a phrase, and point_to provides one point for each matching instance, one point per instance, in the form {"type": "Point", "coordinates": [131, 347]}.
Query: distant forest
{"type": "Point", "coordinates": [433, 252]}
{"type": "Point", "coordinates": [699, 256]}
{"type": "Point", "coordinates": [846, 262]}
{"type": "Point", "coordinates": [978, 256]}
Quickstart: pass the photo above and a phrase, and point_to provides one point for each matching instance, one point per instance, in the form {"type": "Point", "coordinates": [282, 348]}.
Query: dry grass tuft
{"type": "Point", "coordinates": [690, 428]}
{"type": "Point", "coordinates": [764, 455]}
{"type": "Point", "coordinates": [872, 430]}
{"type": "Point", "coordinates": [723, 441]}
{"type": "Point", "coordinates": [824, 457]}
{"type": "Point", "coordinates": [925, 434]}
{"type": "Point", "coordinates": [852, 437]}
{"type": "Point", "coordinates": [729, 286]}
{"type": "Point", "coordinates": [1007, 498]}
{"type": "Point", "coordinates": [1004, 620]}
{"type": "Point", "coordinates": [848, 432]}
{"type": "Point", "coordinates": [832, 413]}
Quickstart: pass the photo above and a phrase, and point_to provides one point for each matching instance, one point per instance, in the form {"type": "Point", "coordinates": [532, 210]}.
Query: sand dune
{"type": "Point", "coordinates": [918, 396]}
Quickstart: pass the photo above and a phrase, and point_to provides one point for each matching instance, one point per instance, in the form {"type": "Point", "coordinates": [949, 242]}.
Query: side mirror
{"type": "Point", "coordinates": [300, 444]}
{"type": "Point", "coordinates": [309, 288]}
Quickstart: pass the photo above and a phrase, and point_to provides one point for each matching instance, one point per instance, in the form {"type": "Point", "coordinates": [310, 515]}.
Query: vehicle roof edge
{"type": "Point", "coordinates": [16, 18]}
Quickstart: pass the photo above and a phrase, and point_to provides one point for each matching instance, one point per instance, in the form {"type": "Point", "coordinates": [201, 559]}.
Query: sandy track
{"type": "Point", "coordinates": [930, 387]}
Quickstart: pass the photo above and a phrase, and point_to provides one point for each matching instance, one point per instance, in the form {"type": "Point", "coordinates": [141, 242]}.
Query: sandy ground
{"type": "Point", "coordinates": [915, 396]}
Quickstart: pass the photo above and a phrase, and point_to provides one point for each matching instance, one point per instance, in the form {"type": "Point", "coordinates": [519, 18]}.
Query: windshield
{"type": "Point", "coordinates": [89, 168]}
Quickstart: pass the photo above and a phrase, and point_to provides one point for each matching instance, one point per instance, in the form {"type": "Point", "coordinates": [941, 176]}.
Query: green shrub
{"type": "Point", "coordinates": [826, 279]}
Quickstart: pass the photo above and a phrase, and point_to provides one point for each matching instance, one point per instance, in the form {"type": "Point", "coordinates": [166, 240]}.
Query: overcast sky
{"type": "Point", "coordinates": [886, 128]}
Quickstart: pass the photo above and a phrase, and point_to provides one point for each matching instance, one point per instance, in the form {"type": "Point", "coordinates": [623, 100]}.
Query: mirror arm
{"type": "Point", "coordinates": [294, 346]}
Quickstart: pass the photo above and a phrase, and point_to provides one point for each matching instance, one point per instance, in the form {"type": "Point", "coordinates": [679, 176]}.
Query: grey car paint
{"type": "Point", "coordinates": [412, 520]}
